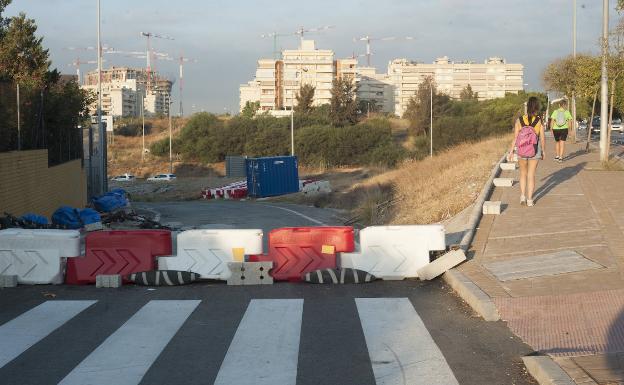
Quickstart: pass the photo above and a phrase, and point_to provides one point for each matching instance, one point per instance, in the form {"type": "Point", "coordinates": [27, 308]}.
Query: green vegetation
{"type": "Point", "coordinates": [50, 109]}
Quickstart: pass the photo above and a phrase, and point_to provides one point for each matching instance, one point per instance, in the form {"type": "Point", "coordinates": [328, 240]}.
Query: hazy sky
{"type": "Point", "coordinates": [224, 36]}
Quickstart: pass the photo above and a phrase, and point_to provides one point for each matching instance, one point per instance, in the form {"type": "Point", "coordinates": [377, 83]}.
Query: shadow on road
{"type": "Point", "coordinates": [555, 179]}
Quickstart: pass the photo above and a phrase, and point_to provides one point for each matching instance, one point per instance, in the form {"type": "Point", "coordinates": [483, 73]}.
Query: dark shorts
{"type": "Point", "coordinates": [560, 135]}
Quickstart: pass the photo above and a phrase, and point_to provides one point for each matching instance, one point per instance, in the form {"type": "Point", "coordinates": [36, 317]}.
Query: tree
{"type": "Point", "coordinates": [343, 106]}
{"type": "Point", "coordinates": [305, 98]}
{"type": "Point", "coordinates": [418, 109]}
{"type": "Point", "coordinates": [250, 109]}
{"type": "Point", "coordinates": [468, 94]}
{"type": "Point", "coordinates": [22, 56]}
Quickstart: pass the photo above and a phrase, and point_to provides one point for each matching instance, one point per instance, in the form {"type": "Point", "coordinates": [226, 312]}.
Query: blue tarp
{"type": "Point", "coordinates": [73, 218]}
{"type": "Point", "coordinates": [111, 201]}
{"type": "Point", "coordinates": [34, 218]}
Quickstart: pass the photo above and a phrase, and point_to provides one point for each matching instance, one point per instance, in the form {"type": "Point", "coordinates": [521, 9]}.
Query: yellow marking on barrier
{"type": "Point", "coordinates": [239, 254]}
{"type": "Point", "coordinates": [328, 249]}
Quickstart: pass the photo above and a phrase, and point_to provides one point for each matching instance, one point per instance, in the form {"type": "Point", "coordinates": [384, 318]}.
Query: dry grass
{"type": "Point", "coordinates": [124, 154]}
{"type": "Point", "coordinates": [437, 188]}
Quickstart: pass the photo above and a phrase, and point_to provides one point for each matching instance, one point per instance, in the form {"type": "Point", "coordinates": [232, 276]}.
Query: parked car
{"type": "Point", "coordinates": [162, 178]}
{"type": "Point", "coordinates": [595, 126]}
{"type": "Point", "coordinates": [124, 178]}
{"type": "Point", "coordinates": [582, 125]}
{"type": "Point", "coordinates": [616, 125]}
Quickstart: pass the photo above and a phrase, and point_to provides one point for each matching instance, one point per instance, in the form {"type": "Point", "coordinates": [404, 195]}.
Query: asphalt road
{"type": "Point", "coordinates": [385, 332]}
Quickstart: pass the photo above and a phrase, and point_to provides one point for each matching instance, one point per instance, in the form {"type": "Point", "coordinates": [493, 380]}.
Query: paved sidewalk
{"type": "Point", "coordinates": [569, 301]}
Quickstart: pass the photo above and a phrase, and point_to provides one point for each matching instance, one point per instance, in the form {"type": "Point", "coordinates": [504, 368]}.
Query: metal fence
{"type": "Point", "coordinates": [35, 118]}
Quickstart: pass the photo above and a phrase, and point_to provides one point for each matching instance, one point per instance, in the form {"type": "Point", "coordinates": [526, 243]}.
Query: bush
{"type": "Point", "coordinates": [132, 127]}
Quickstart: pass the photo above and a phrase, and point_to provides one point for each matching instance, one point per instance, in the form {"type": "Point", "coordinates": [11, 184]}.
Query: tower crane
{"type": "Point", "coordinates": [183, 60]}
{"type": "Point", "coordinates": [368, 40]}
{"type": "Point", "coordinates": [275, 35]}
{"type": "Point", "coordinates": [149, 53]}
{"type": "Point", "coordinates": [301, 31]}
{"type": "Point", "coordinates": [76, 63]}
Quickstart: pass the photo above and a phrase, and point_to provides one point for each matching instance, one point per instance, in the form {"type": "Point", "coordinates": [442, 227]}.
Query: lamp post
{"type": "Point", "coordinates": [431, 119]}
{"type": "Point", "coordinates": [604, 96]}
{"type": "Point", "coordinates": [292, 128]}
{"type": "Point", "coordinates": [143, 123]}
{"type": "Point", "coordinates": [574, 55]}
{"type": "Point", "coordinates": [101, 132]}
{"type": "Point", "coordinates": [169, 102]}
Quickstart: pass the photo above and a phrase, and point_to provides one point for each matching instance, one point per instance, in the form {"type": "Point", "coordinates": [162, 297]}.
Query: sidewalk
{"type": "Point", "coordinates": [568, 302]}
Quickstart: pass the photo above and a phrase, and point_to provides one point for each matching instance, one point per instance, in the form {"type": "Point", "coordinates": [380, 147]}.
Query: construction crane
{"type": "Point", "coordinates": [148, 52]}
{"type": "Point", "coordinates": [368, 40]}
{"type": "Point", "coordinates": [77, 63]}
{"type": "Point", "coordinates": [275, 35]}
{"type": "Point", "coordinates": [183, 60]}
{"type": "Point", "coordinates": [301, 31]}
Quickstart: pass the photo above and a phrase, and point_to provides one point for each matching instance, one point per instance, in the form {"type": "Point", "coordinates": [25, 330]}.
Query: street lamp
{"type": "Point", "coordinates": [431, 119]}
{"type": "Point", "coordinates": [604, 96]}
{"type": "Point", "coordinates": [574, 55]}
{"type": "Point", "coordinates": [169, 102]}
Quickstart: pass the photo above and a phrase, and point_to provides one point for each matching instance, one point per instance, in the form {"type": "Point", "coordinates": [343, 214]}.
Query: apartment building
{"type": "Point", "coordinates": [124, 89]}
{"type": "Point", "coordinates": [491, 79]}
{"type": "Point", "coordinates": [277, 82]}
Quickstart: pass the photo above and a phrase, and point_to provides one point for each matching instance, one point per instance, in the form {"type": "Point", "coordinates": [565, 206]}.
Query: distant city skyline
{"type": "Point", "coordinates": [225, 37]}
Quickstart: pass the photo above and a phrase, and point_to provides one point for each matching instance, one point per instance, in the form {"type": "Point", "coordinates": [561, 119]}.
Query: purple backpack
{"type": "Point", "coordinates": [526, 142]}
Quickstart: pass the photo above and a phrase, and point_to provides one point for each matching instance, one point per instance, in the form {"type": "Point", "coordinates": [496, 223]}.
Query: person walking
{"type": "Point", "coordinates": [560, 124]}
{"type": "Point", "coordinates": [529, 143]}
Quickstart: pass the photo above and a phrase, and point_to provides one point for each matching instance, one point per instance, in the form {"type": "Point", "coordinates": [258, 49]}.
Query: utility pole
{"type": "Point", "coordinates": [604, 92]}
{"type": "Point", "coordinates": [170, 136]}
{"type": "Point", "coordinates": [574, 55]}
{"type": "Point", "coordinates": [101, 131]}
{"type": "Point", "coordinates": [292, 128]}
{"type": "Point", "coordinates": [431, 119]}
{"type": "Point", "coordinates": [19, 123]}
{"type": "Point", "coordinates": [143, 122]}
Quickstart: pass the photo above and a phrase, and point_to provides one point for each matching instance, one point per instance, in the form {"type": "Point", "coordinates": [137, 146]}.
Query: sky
{"type": "Point", "coordinates": [224, 37]}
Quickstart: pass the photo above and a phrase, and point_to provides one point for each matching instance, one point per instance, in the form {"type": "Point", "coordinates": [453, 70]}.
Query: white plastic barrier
{"type": "Point", "coordinates": [207, 252]}
{"type": "Point", "coordinates": [395, 252]}
{"type": "Point", "coordinates": [37, 256]}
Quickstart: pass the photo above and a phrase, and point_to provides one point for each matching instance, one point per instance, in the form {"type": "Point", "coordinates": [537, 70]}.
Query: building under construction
{"type": "Point", "coordinates": [127, 92]}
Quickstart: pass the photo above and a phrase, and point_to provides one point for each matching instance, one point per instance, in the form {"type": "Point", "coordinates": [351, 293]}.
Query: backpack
{"type": "Point", "coordinates": [526, 142]}
{"type": "Point", "coordinates": [561, 118]}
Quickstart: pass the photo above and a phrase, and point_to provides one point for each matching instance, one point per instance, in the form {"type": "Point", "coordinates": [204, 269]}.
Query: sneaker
{"type": "Point", "coordinates": [522, 200]}
{"type": "Point", "coordinates": [559, 160]}
{"type": "Point", "coordinates": [529, 202]}
{"type": "Point", "coordinates": [556, 158]}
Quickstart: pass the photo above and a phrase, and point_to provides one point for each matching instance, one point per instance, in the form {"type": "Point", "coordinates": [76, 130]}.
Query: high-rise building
{"type": "Point", "coordinates": [277, 82]}
{"type": "Point", "coordinates": [491, 79]}
{"type": "Point", "coordinates": [124, 89]}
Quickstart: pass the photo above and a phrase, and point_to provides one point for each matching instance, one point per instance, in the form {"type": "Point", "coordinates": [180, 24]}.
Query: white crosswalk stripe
{"type": "Point", "coordinates": [266, 344]}
{"type": "Point", "coordinates": [127, 354]}
{"type": "Point", "coordinates": [31, 327]}
{"type": "Point", "coordinates": [400, 347]}
{"type": "Point", "coordinates": [264, 349]}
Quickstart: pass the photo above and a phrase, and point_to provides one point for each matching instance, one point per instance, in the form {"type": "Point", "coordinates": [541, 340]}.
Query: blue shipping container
{"type": "Point", "coordinates": [271, 176]}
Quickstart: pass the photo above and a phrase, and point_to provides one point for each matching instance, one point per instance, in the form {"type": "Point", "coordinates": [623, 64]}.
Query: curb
{"type": "Point", "coordinates": [546, 371]}
{"type": "Point", "coordinates": [478, 300]}
{"type": "Point", "coordinates": [477, 210]}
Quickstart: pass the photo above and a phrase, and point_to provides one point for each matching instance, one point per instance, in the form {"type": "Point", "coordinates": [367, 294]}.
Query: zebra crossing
{"type": "Point", "coordinates": [263, 344]}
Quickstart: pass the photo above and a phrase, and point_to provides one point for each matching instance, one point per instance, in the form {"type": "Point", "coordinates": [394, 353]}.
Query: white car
{"type": "Point", "coordinates": [162, 178]}
{"type": "Point", "coordinates": [616, 125]}
{"type": "Point", "coordinates": [124, 178]}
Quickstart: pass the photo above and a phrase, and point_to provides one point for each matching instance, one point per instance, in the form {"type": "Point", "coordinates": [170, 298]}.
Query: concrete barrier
{"type": "Point", "coordinates": [37, 256]}
{"type": "Point", "coordinates": [207, 252]}
{"type": "Point", "coordinates": [395, 252]}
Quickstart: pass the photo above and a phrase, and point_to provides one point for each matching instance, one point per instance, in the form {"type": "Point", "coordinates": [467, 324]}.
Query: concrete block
{"type": "Point", "coordinates": [8, 281]}
{"type": "Point", "coordinates": [546, 371]}
{"type": "Point", "coordinates": [492, 207]}
{"type": "Point", "coordinates": [478, 300]}
{"type": "Point", "coordinates": [508, 166]}
{"type": "Point", "coordinates": [93, 226]}
{"type": "Point", "coordinates": [503, 182]}
{"type": "Point", "coordinates": [250, 273]}
{"type": "Point", "coordinates": [442, 264]}
{"type": "Point", "coordinates": [113, 281]}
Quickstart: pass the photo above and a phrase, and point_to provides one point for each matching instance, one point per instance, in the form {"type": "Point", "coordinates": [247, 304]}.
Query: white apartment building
{"type": "Point", "coordinates": [491, 79]}
{"type": "Point", "coordinates": [277, 82]}
{"type": "Point", "coordinates": [124, 89]}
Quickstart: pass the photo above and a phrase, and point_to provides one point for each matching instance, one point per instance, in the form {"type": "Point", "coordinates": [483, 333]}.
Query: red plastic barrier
{"type": "Point", "coordinates": [295, 251]}
{"type": "Point", "coordinates": [118, 252]}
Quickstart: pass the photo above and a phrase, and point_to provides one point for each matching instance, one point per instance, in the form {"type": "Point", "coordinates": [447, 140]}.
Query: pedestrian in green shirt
{"type": "Point", "coordinates": [560, 124]}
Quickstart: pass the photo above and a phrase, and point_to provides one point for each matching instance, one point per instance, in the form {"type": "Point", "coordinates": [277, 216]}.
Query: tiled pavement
{"type": "Point", "coordinates": [577, 317]}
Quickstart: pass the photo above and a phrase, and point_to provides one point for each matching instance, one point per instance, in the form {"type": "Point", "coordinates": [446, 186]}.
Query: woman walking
{"type": "Point", "coordinates": [529, 144]}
